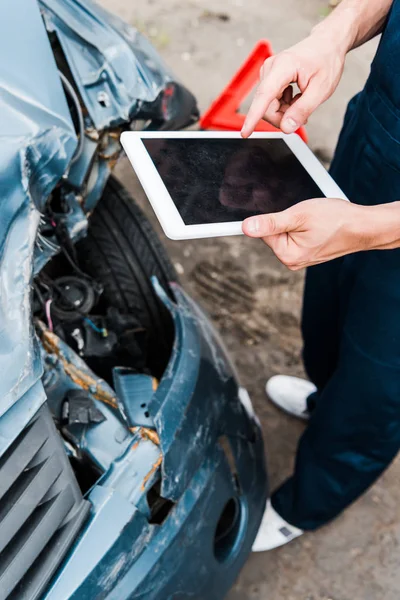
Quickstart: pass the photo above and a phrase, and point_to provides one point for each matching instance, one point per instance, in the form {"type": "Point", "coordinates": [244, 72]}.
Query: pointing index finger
{"type": "Point", "coordinates": [269, 89]}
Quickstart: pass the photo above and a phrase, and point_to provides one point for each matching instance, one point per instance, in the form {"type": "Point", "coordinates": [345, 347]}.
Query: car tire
{"type": "Point", "coordinates": [122, 251]}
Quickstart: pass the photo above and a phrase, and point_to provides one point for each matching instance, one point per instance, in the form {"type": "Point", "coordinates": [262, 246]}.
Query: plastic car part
{"type": "Point", "coordinates": [74, 297]}
{"type": "Point", "coordinates": [134, 392]}
{"type": "Point", "coordinates": [41, 509]}
{"type": "Point", "coordinates": [79, 409]}
{"type": "Point", "coordinates": [174, 109]}
{"type": "Point", "coordinates": [94, 446]}
{"type": "Point", "coordinates": [227, 529]}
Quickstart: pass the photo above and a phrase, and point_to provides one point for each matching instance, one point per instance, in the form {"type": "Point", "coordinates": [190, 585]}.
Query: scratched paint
{"type": "Point", "coordinates": [152, 472]}
{"type": "Point", "coordinates": [119, 554]}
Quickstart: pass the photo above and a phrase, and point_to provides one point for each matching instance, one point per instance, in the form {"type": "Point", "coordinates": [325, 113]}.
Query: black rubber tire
{"type": "Point", "coordinates": [123, 252]}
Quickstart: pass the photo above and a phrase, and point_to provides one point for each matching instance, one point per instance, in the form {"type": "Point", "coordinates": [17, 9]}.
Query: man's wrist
{"type": "Point", "coordinates": [378, 227]}
{"type": "Point", "coordinates": [339, 31]}
{"type": "Point", "coordinates": [353, 22]}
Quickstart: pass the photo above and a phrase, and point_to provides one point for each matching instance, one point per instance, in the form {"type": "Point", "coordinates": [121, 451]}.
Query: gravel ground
{"type": "Point", "coordinates": [256, 303]}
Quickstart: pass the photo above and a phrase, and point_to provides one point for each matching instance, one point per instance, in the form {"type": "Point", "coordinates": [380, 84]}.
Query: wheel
{"type": "Point", "coordinates": [123, 252]}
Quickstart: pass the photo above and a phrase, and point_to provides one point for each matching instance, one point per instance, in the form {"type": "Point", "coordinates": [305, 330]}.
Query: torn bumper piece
{"type": "Point", "coordinates": [182, 504]}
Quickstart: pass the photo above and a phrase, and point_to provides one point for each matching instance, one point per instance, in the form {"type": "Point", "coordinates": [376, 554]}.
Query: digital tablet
{"type": "Point", "coordinates": [204, 184]}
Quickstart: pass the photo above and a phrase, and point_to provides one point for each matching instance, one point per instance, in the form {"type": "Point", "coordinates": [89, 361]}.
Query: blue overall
{"type": "Point", "coordinates": [351, 319]}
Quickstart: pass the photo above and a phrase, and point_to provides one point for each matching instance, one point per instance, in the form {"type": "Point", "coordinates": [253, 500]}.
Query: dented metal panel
{"type": "Point", "coordinates": [37, 141]}
{"type": "Point", "coordinates": [145, 561]}
{"type": "Point", "coordinates": [198, 397]}
{"type": "Point", "coordinates": [120, 69]}
{"type": "Point", "coordinates": [118, 72]}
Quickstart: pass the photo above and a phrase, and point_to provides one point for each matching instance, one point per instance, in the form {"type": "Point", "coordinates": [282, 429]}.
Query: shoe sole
{"type": "Point", "coordinates": [287, 411]}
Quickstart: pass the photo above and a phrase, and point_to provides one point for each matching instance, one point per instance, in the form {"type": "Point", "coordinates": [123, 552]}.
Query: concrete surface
{"type": "Point", "coordinates": [204, 41]}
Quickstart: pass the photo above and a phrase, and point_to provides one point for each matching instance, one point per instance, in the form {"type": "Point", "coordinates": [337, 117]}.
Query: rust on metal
{"type": "Point", "coordinates": [149, 434]}
{"type": "Point", "coordinates": [150, 474]}
{"type": "Point", "coordinates": [78, 376]}
{"type": "Point", "coordinates": [113, 156]}
{"type": "Point", "coordinates": [92, 134]}
{"type": "Point", "coordinates": [135, 445]}
{"type": "Point", "coordinates": [146, 434]}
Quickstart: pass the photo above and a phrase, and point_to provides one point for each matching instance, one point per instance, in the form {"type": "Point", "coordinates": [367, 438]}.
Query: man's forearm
{"type": "Point", "coordinates": [354, 22]}
{"type": "Point", "coordinates": [379, 226]}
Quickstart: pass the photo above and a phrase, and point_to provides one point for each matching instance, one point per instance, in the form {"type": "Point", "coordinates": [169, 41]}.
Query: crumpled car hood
{"type": "Point", "coordinates": [119, 70]}
{"type": "Point", "coordinates": [37, 141]}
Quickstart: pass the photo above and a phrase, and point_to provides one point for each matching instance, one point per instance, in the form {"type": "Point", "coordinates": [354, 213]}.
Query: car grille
{"type": "Point", "coordinates": [41, 509]}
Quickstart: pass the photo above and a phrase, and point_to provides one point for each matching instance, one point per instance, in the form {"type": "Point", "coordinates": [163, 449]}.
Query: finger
{"type": "Point", "coordinates": [302, 106]}
{"type": "Point", "coordinates": [277, 108]}
{"type": "Point", "coordinates": [270, 225]}
{"type": "Point", "coordinates": [271, 87]}
{"type": "Point", "coordinates": [287, 96]}
{"type": "Point", "coordinates": [273, 113]}
{"type": "Point", "coordinates": [272, 241]}
{"type": "Point", "coordinates": [280, 246]}
{"type": "Point", "coordinates": [285, 251]}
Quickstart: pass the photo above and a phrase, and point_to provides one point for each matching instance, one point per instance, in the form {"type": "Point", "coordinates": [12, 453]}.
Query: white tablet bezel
{"type": "Point", "coordinates": [161, 201]}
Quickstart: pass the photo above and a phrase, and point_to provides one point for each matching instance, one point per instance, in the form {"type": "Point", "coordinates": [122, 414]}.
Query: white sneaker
{"type": "Point", "coordinates": [274, 531]}
{"type": "Point", "coordinates": [290, 394]}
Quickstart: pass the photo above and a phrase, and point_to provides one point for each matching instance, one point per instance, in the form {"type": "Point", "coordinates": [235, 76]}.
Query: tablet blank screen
{"type": "Point", "coordinates": [222, 180]}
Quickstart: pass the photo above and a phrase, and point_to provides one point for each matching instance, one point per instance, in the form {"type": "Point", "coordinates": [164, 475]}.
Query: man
{"type": "Point", "coordinates": [351, 315]}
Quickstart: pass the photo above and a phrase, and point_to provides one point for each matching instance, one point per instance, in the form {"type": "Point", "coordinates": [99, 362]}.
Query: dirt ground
{"type": "Point", "coordinates": [256, 303]}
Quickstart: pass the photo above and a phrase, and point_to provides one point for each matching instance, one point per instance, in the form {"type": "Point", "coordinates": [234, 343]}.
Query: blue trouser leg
{"type": "Point", "coordinates": [351, 330]}
{"type": "Point", "coordinates": [354, 431]}
{"type": "Point", "coordinates": [320, 323]}
{"type": "Point", "coordinates": [351, 319]}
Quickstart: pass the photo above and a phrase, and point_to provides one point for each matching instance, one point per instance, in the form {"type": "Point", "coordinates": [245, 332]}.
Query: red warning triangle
{"type": "Point", "coordinates": [223, 114]}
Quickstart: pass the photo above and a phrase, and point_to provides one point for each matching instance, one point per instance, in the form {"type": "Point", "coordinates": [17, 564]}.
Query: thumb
{"type": "Point", "coordinates": [302, 107]}
{"type": "Point", "coordinates": [271, 224]}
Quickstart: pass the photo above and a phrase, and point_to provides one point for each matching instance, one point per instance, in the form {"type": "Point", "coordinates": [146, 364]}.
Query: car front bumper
{"type": "Point", "coordinates": [208, 464]}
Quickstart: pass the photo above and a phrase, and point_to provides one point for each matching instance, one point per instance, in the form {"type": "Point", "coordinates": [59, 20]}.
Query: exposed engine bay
{"type": "Point", "coordinates": [73, 308]}
{"type": "Point", "coordinates": [105, 337]}
{"type": "Point", "coordinates": [97, 359]}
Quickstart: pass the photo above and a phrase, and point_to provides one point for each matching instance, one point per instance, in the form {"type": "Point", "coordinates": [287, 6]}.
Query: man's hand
{"type": "Point", "coordinates": [315, 65]}
{"type": "Point", "coordinates": [322, 229]}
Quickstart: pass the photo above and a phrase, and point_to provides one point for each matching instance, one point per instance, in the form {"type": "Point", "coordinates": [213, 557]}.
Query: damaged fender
{"type": "Point", "coordinates": [37, 141]}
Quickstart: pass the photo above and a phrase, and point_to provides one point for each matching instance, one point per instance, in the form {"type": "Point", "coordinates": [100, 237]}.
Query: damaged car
{"type": "Point", "coordinates": [131, 461]}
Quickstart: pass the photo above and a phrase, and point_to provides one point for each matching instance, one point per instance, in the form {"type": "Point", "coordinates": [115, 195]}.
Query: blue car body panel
{"type": "Point", "coordinates": [37, 141]}
{"type": "Point", "coordinates": [119, 554]}
{"type": "Point", "coordinates": [119, 69]}
{"type": "Point", "coordinates": [125, 556]}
